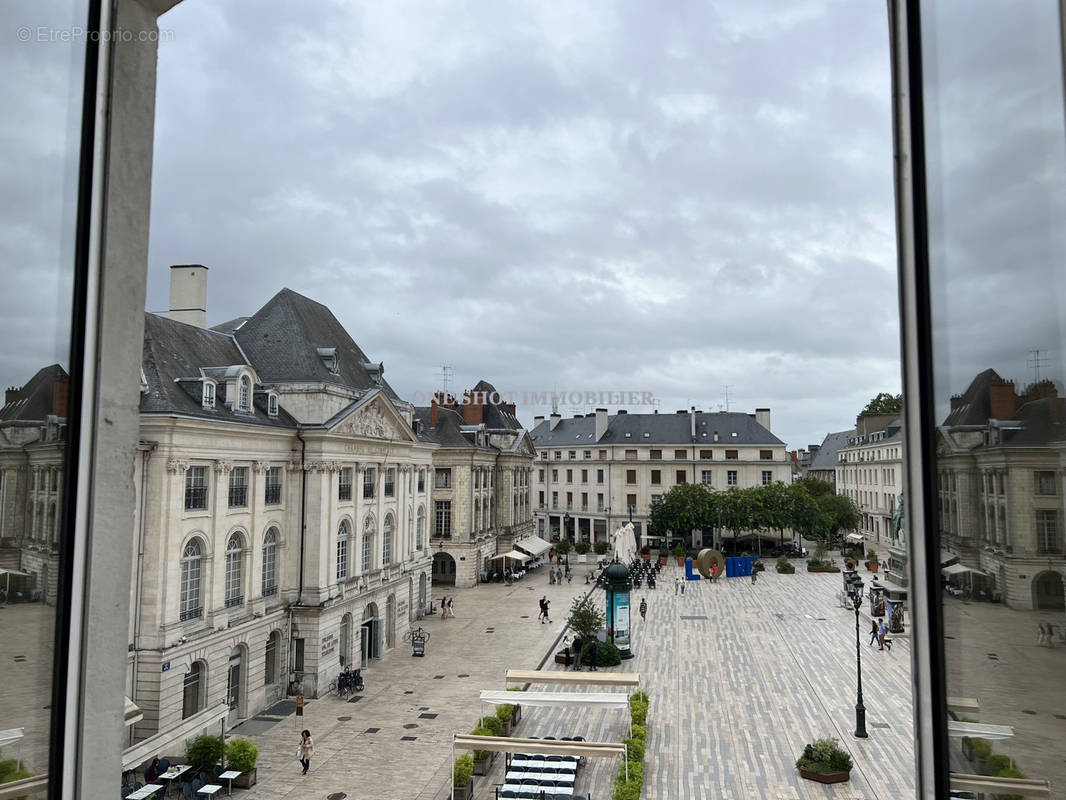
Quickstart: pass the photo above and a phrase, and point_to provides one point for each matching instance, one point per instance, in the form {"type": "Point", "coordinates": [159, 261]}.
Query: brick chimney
{"type": "Point", "coordinates": [1001, 400]}
{"type": "Point", "coordinates": [813, 449]}
{"type": "Point", "coordinates": [188, 294]}
{"type": "Point", "coordinates": [60, 392]}
{"type": "Point", "coordinates": [12, 393]}
{"type": "Point", "coordinates": [474, 411]}
{"type": "Point", "coordinates": [762, 416]}
{"type": "Point", "coordinates": [511, 409]}
{"type": "Point", "coordinates": [433, 410]}
{"type": "Point", "coordinates": [956, 401]}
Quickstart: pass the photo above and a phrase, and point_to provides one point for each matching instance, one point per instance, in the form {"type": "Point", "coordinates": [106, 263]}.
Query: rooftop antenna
{"type": "Point", "coordinates": [445, 380]}
{"type": "Point", "coordinates": [1037, 359]}
{"type": "Point", "coordinates": [726, 387]}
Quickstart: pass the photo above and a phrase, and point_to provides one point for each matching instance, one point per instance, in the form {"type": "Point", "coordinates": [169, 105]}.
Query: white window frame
{"type": "Point", "coordinates": [207, 398]}
{"type": "Point", "coordinates": [234, 570]}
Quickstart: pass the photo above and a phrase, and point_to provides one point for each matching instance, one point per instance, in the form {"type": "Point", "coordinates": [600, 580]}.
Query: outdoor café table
{"type": "Point", "coordinates": [518, 777]}
{"type": "Point", "coordinates": [174, 773]}
{"type": "Point", "coordinates": [228, 776]}
{"type": "Point", "coordinates": [209, 789]}
{"type": "Point", "coordinates": [145, 791]}
{"type": "Point", "coordinates": [565, 764]}
{"type": "Point", "coordinates": [518, 787]}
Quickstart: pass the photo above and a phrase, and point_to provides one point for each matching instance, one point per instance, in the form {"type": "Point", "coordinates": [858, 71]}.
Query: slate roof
{"type": "Point", "coordinates": [34, 400]}
{"type": "Point", "coordinates": [665, 429]}
{"type": "Point", "coordinates": [496, 416]}
{"type": "Point", "coordinates": [973, 408]}
{"type": "Point", "coordinates": [283, 337]}
{"type": "Point", "coordinates": [826, 457]}
{"type": "Point", "coordinates": [174, 352]}
{"type": "Point", "coordinates": [446, 432]}
{"type": "Point", "coordinates": [230, 326]}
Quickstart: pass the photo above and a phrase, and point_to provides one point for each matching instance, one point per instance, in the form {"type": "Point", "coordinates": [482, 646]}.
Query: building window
{"type": "Point", "coordinates": [272, 486]}
{"type": "Point", "coordinates": [1047, 532]}
{"type": "Point", "coordinates": [386, 541]}
{"type": "Point", "coordinates": [1045, 483]}
{"type": "Point", "coordinates": [540, 476]}
{"type": "Point", "coordinates": [344, 484]}
{"type": "Point", "coordinates": [443, 527]}
{"type": "Point", "coordinates": [603, 455]}
{"type": "Point", "coordinates": [680, 455]}
{"type": "Point", "coordinates": [656, 498]}
{"type": "Point", "coordinates": [631, 501]}
{"type": "Point", "coordinates": [656, 477]}
{"type": "Point", "coordinates": [599, 476]}
{"type": "Point", "coordinates": [558, 454]}
{"type": "Point", "coordinates": [369, 479]}
{"type": "Point", "coordinates": [343, 535]}
{"type": "Point", "coordinates": [234, 562]}
{"type": "Point", "coordinates": [209, 394]}
{"type": "Point", "coordinates": [569, 500]}
{"type": "Point", "coordinates": [767, 477]}
{"type": "Point", "coordinates": [599, 501]}
{"type": "Point", "coordinates": [390, 482]}
{"type": "Point", "coordinates": [421, 480]}
{"type": "Point", "coordinates": [631, 476]}
{"type": "Point", "coordinates": [238, 487]}
{"type": "Point", "coordinates": [442, 479]}
{"type": "Point", "coordinates": [244, 397]}
{"type": "Point", "coordinates": [367, 551]}
{"type": "Point", "coordinates": [655, 455]}
{"type": "Point", "coordinates": [191, 693]}
{"type": "Point", "coordinates": [766, 455]}
{"type": "Point", "coordinates": [706, 454]}
{"type": "Point", "coordinates": [679, 476]}
{"type": "Point", "coordinates": [732, 455]}
{"type": "Point", "coordinates": [555, 476]}
{"type": "Point", "coordinates": [571, 454]}
{"type": "Point", "coordinates": [584, 476]}
{"type": "Point", "coordinates": [705, 477]}
{"type": "Point", "coordinates": [192, 605]}
{"type": "Point", "coordinates": [731, 477]}
{"type": "Point", "coordinates": [584, 501]}
{"type": "Point", "coordinates": [631, 455]}
{"type": "Point", "coordinates": [272, 405]}
{"type": "Point", "coordinates": [555, 499]}
{"type": "Point", "coordinates": [270, 563]}
{"type": "Point", "coordinates": [270, 659]}
{"type": "Point", "coordinates": [587, 454]}
{"type": "Point", "coordinates": [540, 499]}
{"type": "Point", "coordinates": [420, 526]}
{"type": "Point", "coordinates": [569, 476]}
{"type": "Point", "coordinates": [196, 489]}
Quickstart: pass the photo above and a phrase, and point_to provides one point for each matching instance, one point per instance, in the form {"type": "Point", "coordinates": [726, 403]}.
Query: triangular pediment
{"type": "Point", "coordinates": [525, 446]}
{"type": "Point", "coordinates": [373, 418]}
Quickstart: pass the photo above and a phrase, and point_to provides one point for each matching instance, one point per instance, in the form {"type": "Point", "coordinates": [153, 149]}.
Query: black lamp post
{"type": "Point", "coordinates": [855, 593]}
{"type": "Point", "coordinates": [566, 535]}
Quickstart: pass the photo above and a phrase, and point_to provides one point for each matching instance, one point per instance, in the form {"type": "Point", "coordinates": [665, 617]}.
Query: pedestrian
{"type": "Point", "coordinates": [754, 574]}
{"type": "Point", "coordinates": [153, 771]}
{"type": "Point", "coordinates": [681, 581]}
{"type": "Point", "coordinates": [677, 585]}
{"type": "Point", "coordinates": [1050, 635]}
{"type": "Point", "coordinates": [569, 576]}
{"type": "Point", "coordinates": [544, 601]}
{"type": "Point", "coordinates": [307, 749]}
{"type": "Point", "coordinates": [547, 603]}
{"type": "Point", "coordinates": [444, 608]}
{"type": "Point", "coordinates": [451, 607]}
{"type": "Point", "coordinates": [882, 631]}
{"type": "Point", "coordinates": [643, 608]}
{"type": "Point", "coordinates": [1042, 637]}
{"type": "Point", "coordinates": [873, 631]}
{"type": "Point", "coordinates": [714, 573]}
{"type": "Point", "coordinates": [590, 652]}
{"type": "Point", "coordinates": [575, 650]}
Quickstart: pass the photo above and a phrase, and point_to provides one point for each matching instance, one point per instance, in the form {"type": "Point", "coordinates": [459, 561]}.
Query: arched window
{"type": "Point", "coordinates": [270, 563]}
{"type": "Point", "coordinates": [342, 550]}
{"type": "Point", "coordinates": [234, 562]}
{"type": "Point", "coordinates": [271, 660]}
{"type": "Point", "coordinates": [368, 533]}
{"type": "Point", "coordinates": [192, 690]}
{"type": "Point", "coordinates": [244, 399]}
{"type": "Point", "coordinates": [191, 598]}
{"type": "Point", "coordinates": [420, 525]}
{"type": "Point", "coordinates": [386, 541]}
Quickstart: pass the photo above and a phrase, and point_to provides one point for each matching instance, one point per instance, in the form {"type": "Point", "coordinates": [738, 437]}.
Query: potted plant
{"type": "Point", "coordinates": [463, 780]}
{"type": "Point", "coordinates": [505, 714]}
{"type": "Point", "coordinates": [582, 548]}
{"type": "Point", "coordinates": [784, 566]}
{"type": "Point", "coordinates": [601, 547]}
{"type": "Point", "coordinates": [481, 759]}
{"type": "Point", "coordinates": [645, 553]}
{"type": "Point", "coordinates": [204, 752]}
{"type": "Point", "coordinates": [516, 717]}
{"type": "Point", "coordinates": [824, 761]}
{"type": "Point", "coordinates": [679, 554]}
{"type": "Point", "coordinates": [242, 755]}
{"type": "Point", "coordinates": [871, 561]}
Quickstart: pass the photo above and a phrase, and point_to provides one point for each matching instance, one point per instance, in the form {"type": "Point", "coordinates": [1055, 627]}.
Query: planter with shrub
{"type": "Point", "coordinates": [242, 755]}
{"type": "Point", "coordinates": [601, 547]}
{"type": "Point", "coordinates": [816, 565]}
{"type": "Point", "coordinates": [630, 779]}
{"type": "Point", "coordinates": [784, 566]}
{"type": "Point", "coordinates": [482, 759]}
{"type": "Point", "coordinates": [204, 752]}
{"type": "Point", "coordinates": [516, 716]}
{"type": "Point", "coordinates": [825, 762]}
{"type": "Point", "coordinates": [679, 554]}
{"type": "Point", "coordinates": [871, 561]}
{"type": "Point", "coordinates": [506, 715]}
{"type": "Point", "coordinates": [645, 553]}
{"type": "Point", "coordinates": [463, 782]}
{"type": "Point", "coordinates": [582, 548]}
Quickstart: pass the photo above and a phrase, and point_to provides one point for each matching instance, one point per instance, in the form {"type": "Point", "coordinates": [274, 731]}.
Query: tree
{"type": "Point", "coordinates": [807, 517]}
{"type": "Point", "coordinates": [586, 619]}
{"type": "Point", "coordinates": [814, 487]}
{"type": "Point", "coordinates": [885, 403]}
{"type": "Point", "coordinates": [684, 508]}
{"type": "Point", "coordinates": [842, 513]}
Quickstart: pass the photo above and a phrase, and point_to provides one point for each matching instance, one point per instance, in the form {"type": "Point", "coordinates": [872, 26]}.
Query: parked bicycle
{"type": "Point", "coordinates": [351, 680]}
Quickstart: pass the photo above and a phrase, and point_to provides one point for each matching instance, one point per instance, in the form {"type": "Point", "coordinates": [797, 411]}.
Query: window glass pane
{"type": "Point", "coordinates": [997, 198]}
{"type": "Point", "coordinates": [41, 92]}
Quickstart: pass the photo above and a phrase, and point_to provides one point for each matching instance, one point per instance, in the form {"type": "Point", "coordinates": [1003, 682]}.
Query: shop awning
{"type": "Point", "coordinates": [513, 555]}
{"type": "Point", "coordinates": [605, 700]}
{"type": "Point", "coordinates": [979, 730]}
{"type": "Point", "coordinates": [503, 744]}
{"type": "Point", "coordinates": [961, 569]}
{"type": "Point", "coordinates": [16, 572]}
{"type": "Point", "coordinates": [855, 537]}
{"type": "Point", "coordinates": [563, 677]}
{"type": "Point", "coordinates": [175, 737]}
{"type": "Point", "coordinates": [947, 558]}
{"type": "Point", "coordinates": [12, 735]}
{"type": "Point", "coordinates": [534, 545]}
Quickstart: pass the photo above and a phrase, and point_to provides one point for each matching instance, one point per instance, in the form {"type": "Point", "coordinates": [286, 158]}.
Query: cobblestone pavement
{"type": "Point", "coordinates": [27, 638]}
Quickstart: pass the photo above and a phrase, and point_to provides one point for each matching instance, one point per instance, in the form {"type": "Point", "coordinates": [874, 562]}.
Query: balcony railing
{"type": "Point", "coordinates": [191, 613]}
{"type": "Point", "coordinates": [237, 600]}
{"type": "Point", "coordinates": [272, 495]}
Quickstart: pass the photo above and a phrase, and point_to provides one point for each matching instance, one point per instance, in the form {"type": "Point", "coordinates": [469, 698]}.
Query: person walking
{"type": "Point", "coordinates": [590, 653]}
{"type": "Point", "coordinates": [682, 582]}
{"type": "Point", "coordinates": [307, 749]}
{"type": "Point", "coordinates": [451, 607]}
{"type": "Point", "coordinates": [444, 608]}
{"type": "Point", "coordinates": [677, 585]}
{"type": "Point", "coordinates": [754, 574]}
{"type": "Point", "coordinates": [882, 632]}
{"type": "Point", "coordinates": [544, 602]}
{"type": "Point", "coordinates": [643, 608]}
{"type": "Point", "coordinates": [874, 633]}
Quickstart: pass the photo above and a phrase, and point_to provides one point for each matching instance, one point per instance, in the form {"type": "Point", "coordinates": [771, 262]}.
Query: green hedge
{"type": "Point", "coordinates": [464, 770]}
{"type": "Point", "coordinates": [241, 755]}
{"type": "Point", "coordinates": [493, 724]}
{"type": "Point", "coordinates": [628, 788]}
{"type": "Point", "coordinates": [204, 752]}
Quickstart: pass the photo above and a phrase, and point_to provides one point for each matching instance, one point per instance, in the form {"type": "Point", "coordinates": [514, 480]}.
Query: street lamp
{"type": "Point", "coordinates": [854, 590]}
{"type": "Point", "coordinates": [566, 535]}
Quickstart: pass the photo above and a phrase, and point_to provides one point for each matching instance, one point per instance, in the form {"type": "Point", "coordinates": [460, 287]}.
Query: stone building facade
{"type": "Point", "coordinates": [1002, 460]}
{"type": "Point", "coordinates": [869, 470]}
{"type": "Point", "coordinates": [481, 482]}
{"type": "Point", "coordinates": [281, 533]}
{"type": "Point", "coordinates": [596, 471]}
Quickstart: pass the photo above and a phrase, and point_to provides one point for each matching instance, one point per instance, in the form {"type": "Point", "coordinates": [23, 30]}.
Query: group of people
{"type": "Point", "coordinates": [581, 651]}
{"type": "Point", "coordinates": [544, 603]}
{"type": "Point", "coordinates": [556, 574]}
{"type": "Point", "coordinates": [878, 632]}
{"type": "Point", "coordinates": [447, 607]}
{"type": "Point", "coordinates": [1046, 634]}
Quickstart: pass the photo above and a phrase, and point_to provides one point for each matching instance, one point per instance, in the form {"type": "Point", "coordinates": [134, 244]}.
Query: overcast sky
{"type": "Point", "coordinates": [665, 198]}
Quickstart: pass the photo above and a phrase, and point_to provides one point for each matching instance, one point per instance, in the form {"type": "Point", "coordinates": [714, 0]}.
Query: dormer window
{"type": "Point", "coordinates": [272, 404]}
{"type": "Point", "coordinates": [244, 394]}
{"type": "Point", "coordinates": [209, 394]}
{"type": "Point", "coordinates": [330, 358]}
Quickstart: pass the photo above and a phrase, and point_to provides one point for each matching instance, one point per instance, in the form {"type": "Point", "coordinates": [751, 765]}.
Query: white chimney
{"type": "Point", "coordinates": [601, 423]}
{"type": "Point", "coordinates": [554, 420]}
{"type": "Point", "coordinates": [692, 422]}
{"type": "Point", "coordinates": [188, 294]}
{"type": "Point", "coordinates": [762, 416]}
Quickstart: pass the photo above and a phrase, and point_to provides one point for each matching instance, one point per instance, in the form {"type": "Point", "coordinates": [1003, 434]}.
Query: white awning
{"type": "Point", "coordinates": [607, 700]}
{"type": "Point", "coordinates": [559, 676]}
{"type": "Point", "coordinates": [947, 558]}
{"type": "Point", "coordinates": [534, 545]}
{"type": "Point", "coordinates": [12, 735]}
{"type": "Point", "coordinates": [513, 554]}
{"type": "Point", "coordinates": [502, 744]}
{"type": "Point", "coordinates": [855, 537]}
{"type": "Point", "coordinates": [961, 569]}
{"type": "Point", "coordinates": [979, 730]}
{"type": "Point", "coordinates": [161, 742]}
